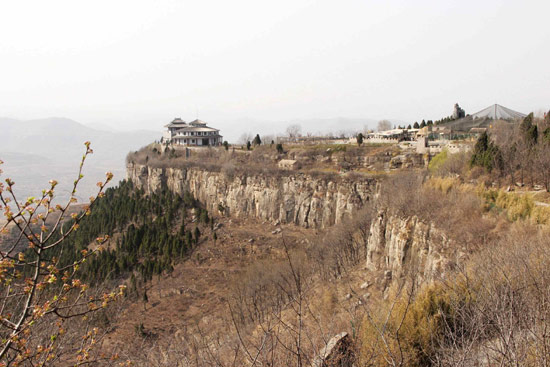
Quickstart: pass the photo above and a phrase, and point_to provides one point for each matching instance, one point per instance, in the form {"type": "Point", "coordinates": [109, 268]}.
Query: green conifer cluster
{"type": "Point", "coordinates": [150, 234]}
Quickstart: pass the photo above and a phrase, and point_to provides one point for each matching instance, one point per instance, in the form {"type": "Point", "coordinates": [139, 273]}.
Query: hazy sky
{"type": "Point", "coordinates": [141, 63]}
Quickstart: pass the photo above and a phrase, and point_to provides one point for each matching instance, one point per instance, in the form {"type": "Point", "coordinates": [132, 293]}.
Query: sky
{"type": "Point", "coordinates": [138, 64]}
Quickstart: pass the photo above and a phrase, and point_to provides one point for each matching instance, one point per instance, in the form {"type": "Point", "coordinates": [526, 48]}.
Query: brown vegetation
{"type": "Point", "coordinates": [492, 311]}
{"type": "Point", "coordinates": [328, 160]}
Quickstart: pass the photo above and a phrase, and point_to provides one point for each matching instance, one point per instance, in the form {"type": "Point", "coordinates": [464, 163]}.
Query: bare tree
{"type": "Point", "coordinates": [384, 125]}
{"type": "Point", "coordinates": [293, 131]}
{"type": "Point", "coordinates": [244, 138]}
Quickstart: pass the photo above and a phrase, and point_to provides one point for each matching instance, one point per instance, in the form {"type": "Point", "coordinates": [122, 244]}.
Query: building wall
{"type": "Point", "coordinates": [196, 140]}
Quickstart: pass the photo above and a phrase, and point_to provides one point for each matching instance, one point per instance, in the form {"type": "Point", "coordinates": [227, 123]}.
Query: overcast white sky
{"type": "Point", "coordinates": [140, 63]}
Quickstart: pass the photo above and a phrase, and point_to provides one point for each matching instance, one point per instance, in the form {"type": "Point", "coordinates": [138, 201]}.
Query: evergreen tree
{"type": "Point", "coordinates": [526, 123]}
{"type": "Point", "coordinates": [226, 145]}
{"type": "Point", "coordinates": [359, 139]}
{"type": "Point", "coordinates": [197, 234]}
{"type": "Point", "coordinates": [279, 148]}
{"type": "Point", "coordinates": [486, 154]}
{"type": "Point", "coordinates": [529, 130]}
{"type": "Point", "coordinates": [532, 135]}
{"type": "Point", "coordinates": [248, 145]}
{"type": "Point", "coordinates": [416, 126]}
{"type": "Point", "coordinates": [257, 140]}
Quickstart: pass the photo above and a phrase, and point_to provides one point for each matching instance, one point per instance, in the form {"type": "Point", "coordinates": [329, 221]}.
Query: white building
{"type": "Point", "coordinates": [195, 133]}
{"type": "Point", "coordinates": [389, 136]}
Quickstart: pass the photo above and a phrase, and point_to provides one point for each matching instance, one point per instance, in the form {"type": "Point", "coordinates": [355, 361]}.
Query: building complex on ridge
{"type": "Point", "coordinates": [194, 133]}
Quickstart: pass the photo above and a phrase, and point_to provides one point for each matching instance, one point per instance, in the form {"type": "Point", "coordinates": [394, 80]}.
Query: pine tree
{"type": "Point", "coordinates": [359, 139]}
{"type": "Point", "coordinates": [257, 140]}
{"type": "Point", "coordinates": [197, 235]}
{"type": "Point", "coordinates": [486, 154]}
{"type": "Point", "coordinates": [529, 130]}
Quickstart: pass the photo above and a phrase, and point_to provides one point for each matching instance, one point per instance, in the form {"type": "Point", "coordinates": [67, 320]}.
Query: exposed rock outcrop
{"type": "Point", "coordinates": [338, 352]}
{"type": "Point", "coordinates": [299, 198]}
{"type": "Point", "coordinates": [397, 246]}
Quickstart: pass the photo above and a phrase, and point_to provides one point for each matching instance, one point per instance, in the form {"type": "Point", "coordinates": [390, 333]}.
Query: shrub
{"type": "Point", "coordinates": [517, 206]}
{"type": "Point", "coordinates": [228, 169]}
{"type": "Point", "coordinates": [443, 184]}
{"type": "Point", "coordinates": [541, 214]}
{"type": "Point", "coordinates": [437, 162]}
{"type": "Point", "coordinates": [413, 330]}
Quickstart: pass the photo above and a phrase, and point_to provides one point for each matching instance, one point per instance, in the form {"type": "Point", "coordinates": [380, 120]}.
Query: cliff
{"type": "Point", "coordinates": [396, 246]}
{"type": "Point", "coordinates": [403, 246]}
{"type": "Point", "coordinates": [307, 201]}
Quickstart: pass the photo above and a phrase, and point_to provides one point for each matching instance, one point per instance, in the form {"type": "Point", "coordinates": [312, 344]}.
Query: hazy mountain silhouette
{"type": "Point", "coordinates": [36, 151]}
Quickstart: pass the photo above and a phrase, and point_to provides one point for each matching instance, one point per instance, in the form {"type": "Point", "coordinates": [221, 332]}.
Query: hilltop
{"type": "Point", "coordinates": [484, 119]}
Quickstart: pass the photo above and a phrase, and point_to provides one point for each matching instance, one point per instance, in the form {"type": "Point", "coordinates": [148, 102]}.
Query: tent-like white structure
{"type": "Point", "coordinates": [498, 112]}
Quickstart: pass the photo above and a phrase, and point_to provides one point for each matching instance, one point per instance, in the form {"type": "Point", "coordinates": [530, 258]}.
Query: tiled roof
{"type": "Point", "coordinates": [196, 128]}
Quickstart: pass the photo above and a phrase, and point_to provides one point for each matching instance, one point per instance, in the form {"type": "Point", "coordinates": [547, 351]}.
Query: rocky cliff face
{"type": "Point", "coordinates": [398, 246]}
{"type": "Point", "coordinates": [301, 199]}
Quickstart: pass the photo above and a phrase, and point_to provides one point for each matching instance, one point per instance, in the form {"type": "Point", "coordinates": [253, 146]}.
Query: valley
{"type": "Point", "coordinates": [344, 258]}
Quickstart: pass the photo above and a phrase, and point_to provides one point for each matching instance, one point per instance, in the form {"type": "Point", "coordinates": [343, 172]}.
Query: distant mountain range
{"type": "Point", "coordinates": [36, 151]}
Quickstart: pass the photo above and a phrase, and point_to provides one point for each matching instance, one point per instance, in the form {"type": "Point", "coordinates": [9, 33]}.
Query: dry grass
{"type": "Point", "coordinates": [331, 160]}
{"type": "Point", "coordinates": [515, 205]}
{"type": "Point", "coordinates": [491, 311]}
